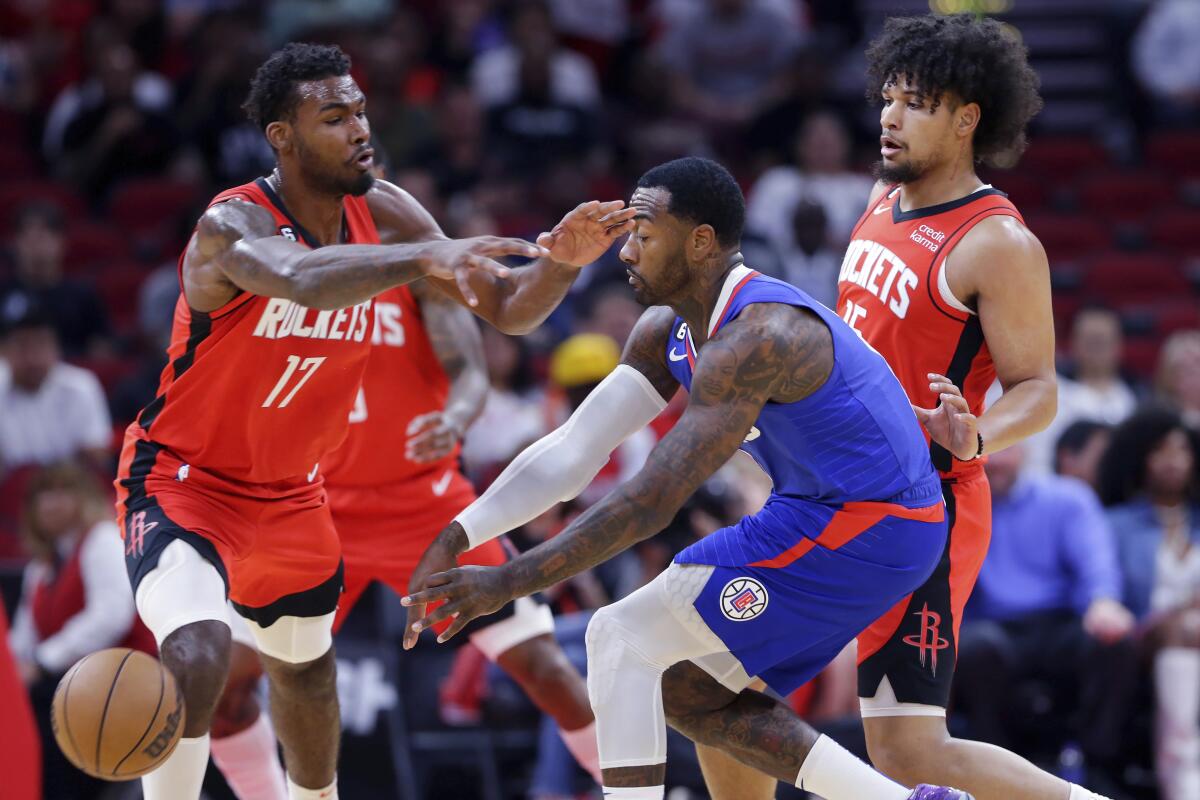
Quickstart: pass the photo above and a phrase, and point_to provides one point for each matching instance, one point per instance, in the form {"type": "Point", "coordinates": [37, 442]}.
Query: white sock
{"type": "Point", "coordinates": [180, 776]}
{"type": "Point", "coordinates": [249, 761]}
{"type": "Point", "coordinates": [633, 793]}
{"type": "Point", "coordinates": [582, 744]}
{"type": "Point", "coordinates": [834, 773]}
{"type": "Point", "coordinates": [1177, 688]}
{"type": "Point", "coordinates": [300, 793]}
{"type": "Point", "coordinates": [1080, 793]}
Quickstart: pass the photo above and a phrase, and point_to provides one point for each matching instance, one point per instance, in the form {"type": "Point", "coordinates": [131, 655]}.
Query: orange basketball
{"type": "Point", "coordinates": [117, 714]}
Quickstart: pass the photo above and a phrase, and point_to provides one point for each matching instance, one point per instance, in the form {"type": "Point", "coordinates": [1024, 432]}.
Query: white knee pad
{"type": "Point", "coordinates": [239, 629]}
{"type": "Point", "coordinates": [630, 644]}
{"type": "Point", "coordinates": [528, 620]}
{"type": "Point", "coordinates": [295, 640]}
{"type": "Point", "coordinates": [885, 704]}
{"type": "Point", "coordinates": [183, 588]}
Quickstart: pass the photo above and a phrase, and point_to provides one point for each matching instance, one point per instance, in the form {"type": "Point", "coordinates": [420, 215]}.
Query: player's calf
{"type": "Point", "coordinates": [304, 709]}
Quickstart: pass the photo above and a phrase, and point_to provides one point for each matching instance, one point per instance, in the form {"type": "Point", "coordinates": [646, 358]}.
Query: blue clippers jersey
{"type": "Point", "coordinates": [854, 439]}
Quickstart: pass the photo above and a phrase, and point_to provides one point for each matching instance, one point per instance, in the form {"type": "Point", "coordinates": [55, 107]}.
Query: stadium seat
{"type": "Point", "coordinates": [16, 163]}
{"type": "Point", "coordinates": [1028, 192]}
{"type": "Point", "coordinates": [14, 194]}
{"type": "Point", "coordinates": [119, 284]}
{"type": "Point", "coordinates": [1069, 237]}
{"type": "Point", "coordinates": [108, 369]}
{"type": "Point", "coordinates": [1176, 229]}
{"type": "Point", "coordinates": [90, 244]}
{"type": "Point", "coordinates": [1058, 159]}
{"type": "Point", "coordinates": [1140, 357]}
{"type": "Point", "coordinates": [145, 206]}
{"type": "Point", "coordinates": [1132, 279]}
{"type": "Point", "coordinates": [1125, 196]}
{"type": "Point", "coordinates": [1176, 153]}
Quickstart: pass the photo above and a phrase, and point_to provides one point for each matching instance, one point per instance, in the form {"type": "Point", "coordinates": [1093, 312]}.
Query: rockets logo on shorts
{"type": "Point", "coordinates": [743, 599]}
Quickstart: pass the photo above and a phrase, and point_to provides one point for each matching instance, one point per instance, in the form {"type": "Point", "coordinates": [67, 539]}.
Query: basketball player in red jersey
{"type": "Point", "coordinates": [943, 278]}
{"type": "Point", "coordinates": [219, 487]}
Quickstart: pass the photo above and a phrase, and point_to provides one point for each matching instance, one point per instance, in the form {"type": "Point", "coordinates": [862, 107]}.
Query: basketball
{"type": "Point", "coordinates": [117, 714]}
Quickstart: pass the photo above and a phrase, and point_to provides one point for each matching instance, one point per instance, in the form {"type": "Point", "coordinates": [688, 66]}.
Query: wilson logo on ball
{"type": "Point", "coordinates": [166, 735]}
{"type": "Point", "coordinates": [743, 599]}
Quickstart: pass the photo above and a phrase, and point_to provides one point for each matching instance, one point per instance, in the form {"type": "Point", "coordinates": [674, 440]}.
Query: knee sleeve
{"type": "Point", "coordinates": [182, 589]}
{"type": "Point", "coordinates": [529, 619]}
{"type": "Point", "coordinates": [294, 640]}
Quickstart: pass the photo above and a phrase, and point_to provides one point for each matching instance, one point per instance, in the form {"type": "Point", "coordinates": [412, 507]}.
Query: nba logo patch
{"type": "Point", "coordinates": [743, 599]}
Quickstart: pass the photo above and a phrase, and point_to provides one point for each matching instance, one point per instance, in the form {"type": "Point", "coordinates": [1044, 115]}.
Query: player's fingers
{"type": "Point", "coordinates": [460, 622]}
{"type": "Point", "coordinates": [415, 614]}
{"type": "Point", "coordinates": [923, 414]}
{"type": "Point", "coordinates": [423, 422]}
{"type": "Point", "coordinates": [620, 215]}
{"type": "Point", "coordinates": [937, 377]}
{"type": "Point", "coordinates": [462, 277]}
{"type": "Point", "coordinates": [547, 239]}
{"type": "Point", "coordinates": [955, 401]}
{"type": "Point", "coordinates": [505, 246]}
{"type": "Point", "coordinates": [947, 388]}
{"type": "Point", "coordinates": [617, 231]}
{"type": "Point", "coordinates": [439, 615]}
{"type": "Point", "coordinates": [609, 206]}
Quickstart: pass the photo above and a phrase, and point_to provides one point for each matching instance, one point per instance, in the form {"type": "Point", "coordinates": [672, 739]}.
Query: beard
{"type": "Point", "coordinates": [905, 172]}
{"type": "Point", "coordinates": [332, 180]}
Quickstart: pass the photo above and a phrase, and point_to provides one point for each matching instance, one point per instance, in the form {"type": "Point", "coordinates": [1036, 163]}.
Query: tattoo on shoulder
{"type": "Point", "coordinates": [646, 346]}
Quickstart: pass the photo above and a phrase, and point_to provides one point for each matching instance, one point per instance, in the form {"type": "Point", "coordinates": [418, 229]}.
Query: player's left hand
{"type": "Point", "coordinates": [431, 437]}
{"type": "Point", "coordinates": [468, 592]}
{"type": "Point", "coordinates": [585, 233]}
{"type": "Point", "coordinates": [951, 424]}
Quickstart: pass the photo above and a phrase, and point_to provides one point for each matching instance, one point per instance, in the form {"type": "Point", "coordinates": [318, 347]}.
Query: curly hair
{"type": "Point", "coordinates": [272, 94]}
{"type": "Point", "coordinates": [975, 61]}
{"type": "Point", "coordinates": [702, 191]}
{"type": "Point", "coordinates": [1122, 473]}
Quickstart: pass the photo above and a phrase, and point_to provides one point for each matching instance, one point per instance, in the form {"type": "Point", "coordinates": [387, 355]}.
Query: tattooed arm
{"type": "Point", "coordinates": [459, 349]}
{"type": "Point", "coordinates": [771, 352]}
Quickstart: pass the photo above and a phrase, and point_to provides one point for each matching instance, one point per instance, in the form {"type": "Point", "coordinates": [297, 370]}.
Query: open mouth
{"type": "Point", "coordinates": [634, 278]}
{"type": "Point", "coordinates": [888, 146]}
{"type": "Point", "coordinates": [364, 160]}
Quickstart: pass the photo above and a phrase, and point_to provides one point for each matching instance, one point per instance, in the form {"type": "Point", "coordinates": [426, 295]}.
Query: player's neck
{"type": "Point", "coordinates": [941, 184]}
{"type": "Point", "coordinates": [320, 213]}
{"type": "Point", "coordinates": [704, 292]}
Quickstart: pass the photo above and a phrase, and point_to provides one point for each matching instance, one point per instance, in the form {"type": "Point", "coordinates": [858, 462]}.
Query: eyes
{"type": "Point", "coordinates": [340, 118]}
{"type": "Point", "coordinates": [915, 105]}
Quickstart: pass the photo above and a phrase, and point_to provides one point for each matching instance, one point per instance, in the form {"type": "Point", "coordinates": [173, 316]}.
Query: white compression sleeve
{"type": "Point", "coordinates": [560, 465]}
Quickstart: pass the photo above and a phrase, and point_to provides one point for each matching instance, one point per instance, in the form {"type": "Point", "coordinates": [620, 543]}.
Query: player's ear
{"type": "Point", "coordinates": [703, 240]}
{"type": "Point", "coordinates": [279, 135]}
{"type": "Point", "coordinates": [968, 118]}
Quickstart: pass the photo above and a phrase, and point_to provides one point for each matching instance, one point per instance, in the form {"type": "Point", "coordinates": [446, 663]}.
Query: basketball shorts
{"type": "Point", "coordinates": [274, 545]}
{"type": "Point", "coordinates": [386, 529]}
{"type": "Point", "coordinates": [796, 582]}
{"type": "Point", "coordinates": [906, 658]}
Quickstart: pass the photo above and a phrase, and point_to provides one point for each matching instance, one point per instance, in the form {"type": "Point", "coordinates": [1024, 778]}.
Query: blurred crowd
{"type": "Point", "coordinates": [119, 119]}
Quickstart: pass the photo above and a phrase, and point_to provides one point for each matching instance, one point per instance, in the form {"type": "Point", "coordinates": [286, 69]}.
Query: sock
{"type": "Point", "coordinates": [180, 776]}
{"type": "Point", "coordinates": [1177, 688]}
{"type": "Point", "coordinates": [249, 761]}
{"type": "Point", "coordinates": [300, 793]}
{"type": "Point", "coordinates": [834, 773]}
{"type": "Point", "coordinates": [582, 744]}
{"type": "Point", "coordinates": [633, 793]}
{"type": "Point", "coordinates": [1080, 793]}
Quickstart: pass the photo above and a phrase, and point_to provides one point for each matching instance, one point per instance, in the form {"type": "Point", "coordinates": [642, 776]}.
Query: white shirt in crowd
{"type": "Point", "coordinates": [108, 612]}
{"type": "Point", "coordinates": [1078, 401]}
{"type": "Point", "coordinates": [774, 198]}
{"type": "Point", "coordinates": [66, 414]}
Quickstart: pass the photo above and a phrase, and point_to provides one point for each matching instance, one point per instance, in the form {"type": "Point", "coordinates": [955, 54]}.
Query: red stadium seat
{"type": "Point", "coordinates": [1125, 196]}
{"type": "Point", "coordinates": [1176, 229]}
{"type": "Point", "coordinates": [1131, 279]}
{"type": "Point", "coordinates": [1026, 191]}
{"type": "Point", "coordinates": [110, 371]}
{"type": "Point", "coordinates": [14, 194]}
{"type": "Point", "coordinates": [1069, 237]}
{"type": "Point", "coordinates": [90, 244]}
{"type": "Point", "coordinates": [16, 163]}
{"type": "Point", "coordinates": [1059, 159]}
{"type": "Point", "coordinates": [1175, 315]}
{"type": "Point", "coordinates": [1140, 357]}
{"type": "Point", "coordinates": [1175, 153]}
{"type": "Point", "coordinates": [119, 284]}
{"type": "Point", "coordinates": [145, 206]}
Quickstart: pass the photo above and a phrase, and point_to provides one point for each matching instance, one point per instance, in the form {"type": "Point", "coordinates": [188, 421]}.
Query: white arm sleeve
{"type": "Point", "coordinates": [562, 463]}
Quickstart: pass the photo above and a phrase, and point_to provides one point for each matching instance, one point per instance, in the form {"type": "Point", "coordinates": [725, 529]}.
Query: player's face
{"type": "Point", "coordinates": [331, 136]}
{"type": "Point", "coordinates": [653, 253]}
{"type": "Point", "coordinates": [917, 135]}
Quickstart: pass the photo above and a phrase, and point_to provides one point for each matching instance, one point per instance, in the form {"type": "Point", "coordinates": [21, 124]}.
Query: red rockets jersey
{"type": "Point", "coordinates": [404, 380]}
{"type": "Point", "coordinates": [892, 289]}
{"type": "Point", "coordinates": [259, 390]}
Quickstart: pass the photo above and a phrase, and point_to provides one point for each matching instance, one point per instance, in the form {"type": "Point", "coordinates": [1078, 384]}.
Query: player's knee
{"type": "Point", "coordinates": [688, 690]}
{"type": "Point", "coordinates": [198, 655]}
{"type": "Point", "coordinates": [905, 755]}
{"type": "Point", "coordinates": [539, 662]}
{"type": "Point", "coordinates": [316, 678]}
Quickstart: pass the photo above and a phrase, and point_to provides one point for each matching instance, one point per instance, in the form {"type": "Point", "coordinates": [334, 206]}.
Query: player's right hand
{"type": "Point", "coordinates": [440, 556]}
{"type": "Point", "coordinates": [456, 259]}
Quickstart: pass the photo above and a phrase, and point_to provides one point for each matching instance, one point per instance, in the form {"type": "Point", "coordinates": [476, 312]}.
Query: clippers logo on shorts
{"type": "Point", "coordinates": [743, 599]}
{"type": "Point", "coordinates": [928, 642]}
{"type": "Point", "coordinates": [138, 528]}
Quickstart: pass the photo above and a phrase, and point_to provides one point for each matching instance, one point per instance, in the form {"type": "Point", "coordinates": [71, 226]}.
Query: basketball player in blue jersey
{"type": "Point", "coordinates": [855, 521]}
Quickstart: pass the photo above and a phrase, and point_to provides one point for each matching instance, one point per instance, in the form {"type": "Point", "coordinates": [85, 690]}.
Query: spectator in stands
{"type": "Point", "coordinates": [821, 173]}
{"type": "Point", "coordinates": [496, 74]}
{"type": "Point", "coordinates": [727, 62]}
{"type": "Point", "coordinates": [610, 310]}
{"type": "Point", "coordinates": [1047, 606]}
{"type": "Point", "coordinates": [1149, 479]}
{"type": "Point", "coordinates": [1166, 59]}
{"type": "Point", "coordinates": [116, 125]}
{"type": "Point", "coordinates": [1079, 450]}
{"type": "Point", "coordinates": [811, 264]}
{"type": "Point", "coordinates": [1178, 378]}
{"type": "Point", "coordinates": [1093, 389]}
{"type": "Point", "coordinates": [38, 246]}
{"type": "Point", "coordinates": [75, 599]}
{"type": "Point", "coordinates": [49, 410]}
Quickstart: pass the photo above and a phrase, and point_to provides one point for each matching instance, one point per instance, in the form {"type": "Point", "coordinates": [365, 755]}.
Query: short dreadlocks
{"type": "Point", "coordinates": [272, 90]}
{"type": "Point", "coordinates": [976, 60]}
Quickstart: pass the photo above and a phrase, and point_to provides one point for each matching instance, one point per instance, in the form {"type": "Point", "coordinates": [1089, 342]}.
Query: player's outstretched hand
{"type": "Point", "coordinates": [465, 593]}
{"type": "Point", "coordinates": [456, 259]}
{"type": "Point", "coordinates": [951, 424]}
{"type": "Point", "coordinates": [585, 233]}
{"type": "Point", "coordinates": [431, 437]}
{"type": "Point", "coordinates": [440, 556]}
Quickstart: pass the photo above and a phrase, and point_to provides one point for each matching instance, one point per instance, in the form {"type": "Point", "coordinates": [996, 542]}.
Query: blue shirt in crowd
{"type": "Point", "coordinates": [1052, 549]}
